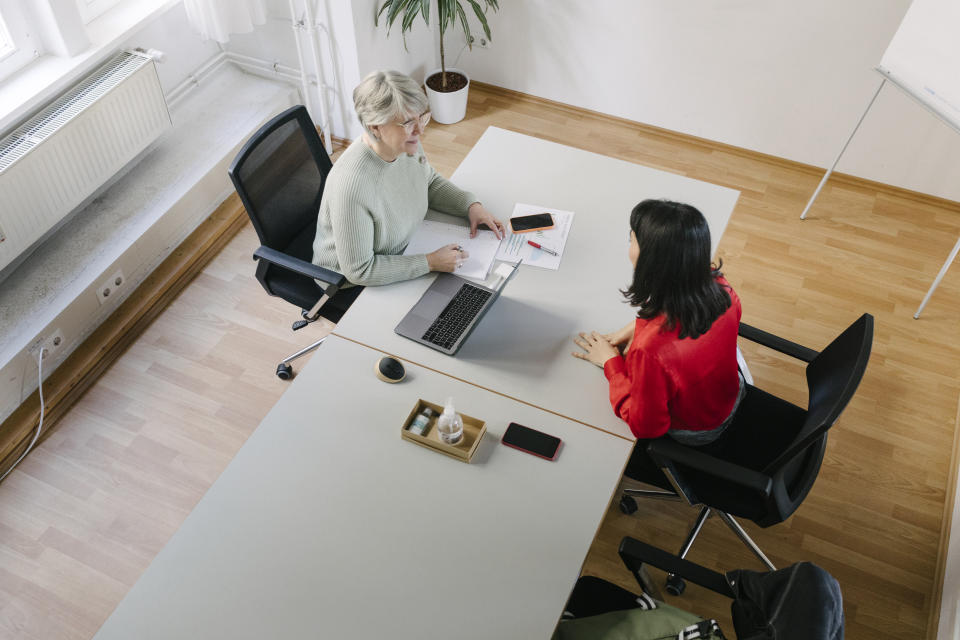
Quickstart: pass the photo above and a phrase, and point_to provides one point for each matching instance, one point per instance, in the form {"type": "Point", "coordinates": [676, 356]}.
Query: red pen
{"type": "Point", "coordinates": [550, 251]}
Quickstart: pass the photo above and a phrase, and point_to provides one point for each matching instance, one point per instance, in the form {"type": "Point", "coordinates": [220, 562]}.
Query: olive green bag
{"type": "Point", "coordinates": [662, 623]}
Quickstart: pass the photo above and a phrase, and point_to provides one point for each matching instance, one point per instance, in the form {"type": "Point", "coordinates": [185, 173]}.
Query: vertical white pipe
{"type": "Point", "coordinates": [321, 86]}
{"type": "Point", "coordinates": [304, 83]}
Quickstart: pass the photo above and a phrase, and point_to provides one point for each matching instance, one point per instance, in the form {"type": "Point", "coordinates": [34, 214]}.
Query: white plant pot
{"type": "Point", "coordinates": [447, 108]}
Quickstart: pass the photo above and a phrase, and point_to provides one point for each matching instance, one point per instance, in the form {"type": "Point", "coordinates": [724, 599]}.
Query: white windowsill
{"type": "Point", "coordinates": [43, 79]}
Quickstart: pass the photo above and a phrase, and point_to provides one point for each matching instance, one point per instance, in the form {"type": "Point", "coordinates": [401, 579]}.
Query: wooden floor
{"type": "Point", "coordinates": [85, 513]}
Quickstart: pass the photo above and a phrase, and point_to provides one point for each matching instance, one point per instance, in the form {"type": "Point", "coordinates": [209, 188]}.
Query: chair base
{"type": "Point", "coordinates": [674, 583]}
{"type": "Point", "coordinates": [284, 370]}
{"type": "Point", "coordinates": [649, 493]}
{"type": "Point", "coordinates": [745, 539]}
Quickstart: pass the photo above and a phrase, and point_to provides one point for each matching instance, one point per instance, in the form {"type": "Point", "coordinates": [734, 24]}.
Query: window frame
{"type": "Point", "coordinates": [25, 44]}
{"type": "Point", "coordinates": [7, 46]}
{"type": "Point", "coordinates": [90, 10]}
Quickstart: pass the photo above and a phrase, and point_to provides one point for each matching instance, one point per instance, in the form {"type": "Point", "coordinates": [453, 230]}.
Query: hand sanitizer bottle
{"type": "Point", "coordinates": [419, 424]}
{"type": "Point", "coordinates": [450, 424]}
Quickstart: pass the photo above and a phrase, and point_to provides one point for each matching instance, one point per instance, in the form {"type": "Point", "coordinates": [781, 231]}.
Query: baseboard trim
{"type": "Point", "coordinates": [946, 525]}
{"type": "Point", "coordinates": [87, 363]}
{"type": "Point", "coordinates": [836, 178]}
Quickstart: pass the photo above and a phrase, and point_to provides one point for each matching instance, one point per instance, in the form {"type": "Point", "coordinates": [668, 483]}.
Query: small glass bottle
{"type": "Point", "coordinates": [450, 424]}
{"type": "Point", "coordinates": [419, 424]}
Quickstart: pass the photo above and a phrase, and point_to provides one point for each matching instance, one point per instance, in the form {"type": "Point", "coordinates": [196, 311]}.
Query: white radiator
{"type": "Point", "coordinates": [62, 155]}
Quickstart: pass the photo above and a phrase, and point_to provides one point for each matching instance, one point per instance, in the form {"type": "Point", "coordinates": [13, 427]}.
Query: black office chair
{"type": "Point", "coordinates": [801, 602]}
{"type": "Point", "coordinates": [765, 463]}
{"type": "Point", "coordinates": [279, 175]}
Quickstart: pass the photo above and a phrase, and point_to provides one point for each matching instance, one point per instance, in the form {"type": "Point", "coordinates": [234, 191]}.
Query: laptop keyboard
{"type": "Point", "coordinates": [456, 316]}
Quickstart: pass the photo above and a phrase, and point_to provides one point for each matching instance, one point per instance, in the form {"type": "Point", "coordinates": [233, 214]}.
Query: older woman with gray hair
{"type": "Point", "coordinates": [380, 188]}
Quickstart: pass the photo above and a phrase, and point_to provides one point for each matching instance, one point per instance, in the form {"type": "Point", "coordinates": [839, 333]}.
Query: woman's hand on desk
{"type": "Point", "coordinates": [447, 258]}
{"type": "Point", "coordinates": [477, 215]}
{"type": "Point", "coordinates": [621, 338]}
{"type": "Point", "coordinates": [597, 347]}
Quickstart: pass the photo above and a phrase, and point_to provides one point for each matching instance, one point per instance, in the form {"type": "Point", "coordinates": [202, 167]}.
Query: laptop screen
{"type": "Point", "coordinates": [505, 271]}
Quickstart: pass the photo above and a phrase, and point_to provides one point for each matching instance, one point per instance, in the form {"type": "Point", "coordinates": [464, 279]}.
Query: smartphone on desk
{"type": "Point", "coordinates": [532, 441]}
{"type": "Point", "coordinates": [536, 222]}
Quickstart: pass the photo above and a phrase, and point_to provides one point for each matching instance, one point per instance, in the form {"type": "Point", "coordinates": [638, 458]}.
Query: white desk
{"type": "Point", "coordinates": [328, 525]}
{"type": "Point", "coordinates": [522, 346]}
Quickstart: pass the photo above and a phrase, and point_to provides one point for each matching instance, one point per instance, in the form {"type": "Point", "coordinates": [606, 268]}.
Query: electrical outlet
{"type": "Point", "coordinates": [110, 287]}
{"type": "Point", "coordinates": [481, 42]}
{"type": "Point", "coordinates": [49, 344]}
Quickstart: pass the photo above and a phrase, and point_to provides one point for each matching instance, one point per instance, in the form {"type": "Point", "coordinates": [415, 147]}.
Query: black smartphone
{"type": "Point", "coordinates": [532, 441]}
{"type": "Point", "coordinates": [536, 222]}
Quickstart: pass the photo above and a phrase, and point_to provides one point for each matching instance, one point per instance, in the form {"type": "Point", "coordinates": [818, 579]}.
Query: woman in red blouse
{"type": "Point", "coordinates": [677, 374]}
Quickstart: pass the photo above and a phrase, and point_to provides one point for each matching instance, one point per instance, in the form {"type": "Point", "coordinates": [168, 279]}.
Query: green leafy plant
{"type": "Point", "coordinates": [449, 13]}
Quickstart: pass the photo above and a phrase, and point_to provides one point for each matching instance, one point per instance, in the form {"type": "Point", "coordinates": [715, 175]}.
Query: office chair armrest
{"type": "Point", "coordinates": [777, 343]}
{"type": "Point", "coordinates": [669, 450]}
{"type": "Point", "coordinates": [302, 267]}
{"type": "Point", "coordinates": [635, 554]}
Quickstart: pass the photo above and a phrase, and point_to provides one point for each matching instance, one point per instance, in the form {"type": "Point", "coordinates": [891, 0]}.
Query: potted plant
{"type": "Point", "coordinates": [446, 88]}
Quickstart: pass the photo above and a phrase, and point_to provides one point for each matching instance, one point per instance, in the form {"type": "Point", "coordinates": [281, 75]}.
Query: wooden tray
{"type": "Point", "coordinates": [473, 430]}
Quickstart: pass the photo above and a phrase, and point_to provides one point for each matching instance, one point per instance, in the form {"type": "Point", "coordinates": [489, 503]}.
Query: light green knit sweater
{"type": "Point", "coordinates": [370, 209]}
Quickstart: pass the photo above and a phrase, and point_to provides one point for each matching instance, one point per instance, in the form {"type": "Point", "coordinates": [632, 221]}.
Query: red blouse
{"type": "Point", "coordinates": [666, 383]}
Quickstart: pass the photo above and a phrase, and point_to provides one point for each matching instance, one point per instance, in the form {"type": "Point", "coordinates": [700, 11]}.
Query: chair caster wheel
{"type": "Point", "coordinates": [675, 584]}
{"type": "Point", "coordinates": [284, 371]}
{"type": "Point", "coordinates": [628, 505]}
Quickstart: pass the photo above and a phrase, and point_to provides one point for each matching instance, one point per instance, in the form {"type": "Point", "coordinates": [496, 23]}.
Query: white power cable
{"type": "Point", "coordinates": [40, 356]}
{"type": "Point", "coordinates": [457, 59]}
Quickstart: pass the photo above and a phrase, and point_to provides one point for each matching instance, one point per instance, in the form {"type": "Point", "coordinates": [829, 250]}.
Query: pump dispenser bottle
{"type": "Point", "coordinates": [450, 424]}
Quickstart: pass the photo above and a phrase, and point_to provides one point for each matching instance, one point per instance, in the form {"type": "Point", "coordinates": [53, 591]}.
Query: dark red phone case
{"type": "Point", "coordinates": [556, 451]}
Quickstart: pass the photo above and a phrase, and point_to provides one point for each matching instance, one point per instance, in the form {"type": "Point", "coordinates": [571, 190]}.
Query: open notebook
{"type": "Point", "coordinates": [431, 235]}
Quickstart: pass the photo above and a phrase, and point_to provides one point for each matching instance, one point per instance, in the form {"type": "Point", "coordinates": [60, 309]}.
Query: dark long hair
{"type": "Point", "coordinates": [673, 275]}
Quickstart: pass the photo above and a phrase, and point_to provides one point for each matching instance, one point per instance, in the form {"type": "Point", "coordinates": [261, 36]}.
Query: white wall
{"type": "Point", "coordinates": [377, 51]}
{"type": "Point", "coordinates": [784, 78]}
{"type": "Point", "coordinates": [185, 51]}
{"type": "Point", "coordinates": [273, 41]}
{"type": "Point", "coordinates": [350, 47]}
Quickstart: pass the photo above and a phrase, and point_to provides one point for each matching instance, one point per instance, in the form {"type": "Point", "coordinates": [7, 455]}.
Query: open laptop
{"type": "Point", "coordinates": [448, 311]}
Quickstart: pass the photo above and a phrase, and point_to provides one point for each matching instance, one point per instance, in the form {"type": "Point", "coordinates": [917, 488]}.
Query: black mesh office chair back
{"type": "Point", "coordinates": [280, 174]}
{"type": "Point", "coordinates": [832, 378]}
{"type": "Point", "coordinates": [782, 441]}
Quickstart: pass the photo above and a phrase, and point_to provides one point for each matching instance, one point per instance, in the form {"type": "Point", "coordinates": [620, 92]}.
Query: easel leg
{"type": "Point", "coordinates": [943, 272]}
{"type": "Point", "coordinates": [833, 166]}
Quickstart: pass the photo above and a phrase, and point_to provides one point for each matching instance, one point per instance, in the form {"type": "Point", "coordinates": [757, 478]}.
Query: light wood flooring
{"type": "Point", "coordinates": [85, 513]}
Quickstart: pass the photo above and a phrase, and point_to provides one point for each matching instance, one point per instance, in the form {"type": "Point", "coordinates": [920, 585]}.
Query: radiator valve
{"type": "Point", "coordinates": [157, 55]}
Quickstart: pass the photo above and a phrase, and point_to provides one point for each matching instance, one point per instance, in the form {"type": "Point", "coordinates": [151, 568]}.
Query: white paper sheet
{"type": "Point", "coordinates": [431, 235]}
{"type": "Point", "coordinates": [514, 245]}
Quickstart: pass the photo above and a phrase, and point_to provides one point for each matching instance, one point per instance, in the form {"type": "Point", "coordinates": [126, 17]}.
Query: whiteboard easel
{"type": "Point", "coordinates": [886, 76]}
